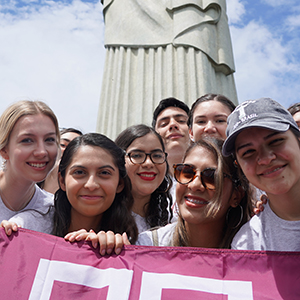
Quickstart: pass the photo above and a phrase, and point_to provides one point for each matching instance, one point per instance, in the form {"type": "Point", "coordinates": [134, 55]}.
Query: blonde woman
{"type": "Point", "coordinates": [29, 139]}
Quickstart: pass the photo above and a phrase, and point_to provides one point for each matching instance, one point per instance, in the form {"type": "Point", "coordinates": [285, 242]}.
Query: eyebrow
{"type": "Point", "coordinates": [265, 138]}
{"type": "Point", "coordinates": [218, 115]}
{"type": "Point", "coordinates": [174, 116]}
{"type": "Point", "coordinates": [33, 134]}
{"type": "Point", "coordinates": [64, 139]}
{"type": "Point", "coordinates": [139, 150]}
{"type": "Point", "coordinates": [83, 167]}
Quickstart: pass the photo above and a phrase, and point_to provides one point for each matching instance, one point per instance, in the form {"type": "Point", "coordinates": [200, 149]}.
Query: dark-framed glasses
{"type": "Point", "coordinates": [185, 173]}
{"type": "Point", "coordinates": [137, 157]}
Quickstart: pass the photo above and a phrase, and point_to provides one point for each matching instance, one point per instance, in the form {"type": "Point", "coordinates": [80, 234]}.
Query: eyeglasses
{"type": "Point", "coordinates": [185, 173]}
{"type": "Point", "coordinates": [138, 157]}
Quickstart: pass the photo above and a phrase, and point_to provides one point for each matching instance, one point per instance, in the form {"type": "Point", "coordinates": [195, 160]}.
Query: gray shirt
{"type": "Point", "coordinates": [267, 231]}
{"type": "Point", "coordinates": [37, 215]}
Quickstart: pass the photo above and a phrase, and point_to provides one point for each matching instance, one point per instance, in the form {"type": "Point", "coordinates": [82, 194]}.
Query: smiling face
{"type": "Point", "coordinates": [147, 177]}
{"type": "Point", "coordinates": [209, 118]}
{"type": "Point", "coordinates": [269, 159]}
{"type": "Point", "coordinates": [172, 126]}
{"type": "Point", "coordinates": [91, 182]}
{"type": "Point", "coordinates": [193, 198]}
{"type": "Point", "coordinates": [32, 149]}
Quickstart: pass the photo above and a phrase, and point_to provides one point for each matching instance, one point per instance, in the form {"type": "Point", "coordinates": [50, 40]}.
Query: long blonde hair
{"type": "Point", "coordinates": [14, 112]}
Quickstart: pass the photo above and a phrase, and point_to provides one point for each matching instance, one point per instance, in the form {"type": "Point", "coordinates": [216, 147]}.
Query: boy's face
{"type": "Point", "coordinates": [172, 126]}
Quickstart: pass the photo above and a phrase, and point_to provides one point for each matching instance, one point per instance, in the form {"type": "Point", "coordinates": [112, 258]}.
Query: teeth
{"type": "Point", "coordinates": [273, 171]}
{"type": "Point", "coordinates": [147, 175]}
{"type": "Point", "coordinates": [41, 165]}
{"type": "Point", "coordinates": [196, 201]}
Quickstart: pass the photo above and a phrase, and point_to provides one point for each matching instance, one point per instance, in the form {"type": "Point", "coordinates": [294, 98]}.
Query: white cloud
{"type": "Point", "coordinates": [54, 52]}
{"type": "Point", "coordinates": [293, 21]}
{"type": "Point", "coordinates": [263, 64]}
{"type": "Point", "coordinates": [266, 59]}
{"type": "Point", "coordinates": [235, 11]}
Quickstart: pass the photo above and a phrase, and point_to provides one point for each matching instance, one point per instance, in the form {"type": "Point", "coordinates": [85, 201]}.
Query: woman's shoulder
{"type": "Point", "coordinates": [41, 200]}
{"type": "Point", "coordinates": [251, 233]}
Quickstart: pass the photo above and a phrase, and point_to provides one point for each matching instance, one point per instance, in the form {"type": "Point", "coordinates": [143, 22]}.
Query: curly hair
{"type": "Point", "coordinates": [156, 210]}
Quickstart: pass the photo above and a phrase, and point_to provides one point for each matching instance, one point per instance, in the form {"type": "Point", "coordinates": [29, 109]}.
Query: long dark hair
{"type": "Point", "coordinates": [156, 210]}
{"type": "Point", "coordinates": [236, 217]}
{"type": "Point", "coordinates": [118, 217]}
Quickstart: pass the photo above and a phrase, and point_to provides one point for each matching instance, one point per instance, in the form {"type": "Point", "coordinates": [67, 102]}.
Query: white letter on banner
{"type": "Point", "coordinates": [118, 280]}
{"type": "Point", "coordinates": [154, 283]}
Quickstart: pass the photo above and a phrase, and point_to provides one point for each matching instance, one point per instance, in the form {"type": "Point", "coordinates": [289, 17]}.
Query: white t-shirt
{"type": "Point", "coordinates": [140, 222]}
{"type": "Point", "coordinates": [266, 231]}
{"type": "Point", "coordinates": [164, 235]}
{"type": "Point", "coordinates": [37, 215]}
{"type": "Point", "coordinates": [174, 205]}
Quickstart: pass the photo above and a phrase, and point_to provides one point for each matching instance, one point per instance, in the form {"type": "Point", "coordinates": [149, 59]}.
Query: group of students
{"type": "Point", "coordinates": [119, 192]}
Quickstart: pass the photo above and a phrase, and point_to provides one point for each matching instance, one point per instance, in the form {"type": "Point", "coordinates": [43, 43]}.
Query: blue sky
{"type": "Point", "coordinates": [53, 51]}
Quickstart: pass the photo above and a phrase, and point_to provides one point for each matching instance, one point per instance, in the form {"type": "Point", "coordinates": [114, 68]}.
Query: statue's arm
{"type": "Point", "coordinates": [106, 3]}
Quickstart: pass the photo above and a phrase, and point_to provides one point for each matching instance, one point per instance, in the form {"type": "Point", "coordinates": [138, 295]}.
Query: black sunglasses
{"type": "Point", "coordinates": [185, 173]}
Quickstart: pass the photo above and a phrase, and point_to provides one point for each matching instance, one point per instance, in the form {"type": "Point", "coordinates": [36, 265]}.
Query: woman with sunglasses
{"type": "Point", "coordinates": [147, 169]}
{"type": "Point", "coordinates": [213, 201]}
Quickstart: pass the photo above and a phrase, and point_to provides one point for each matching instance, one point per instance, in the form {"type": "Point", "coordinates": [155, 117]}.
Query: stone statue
{"type": "Point", "coordinates": [162, 48]}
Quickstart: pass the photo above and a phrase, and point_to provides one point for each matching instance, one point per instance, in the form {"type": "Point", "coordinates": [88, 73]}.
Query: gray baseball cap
{"type": "Point", "coordinates": [263, 112]}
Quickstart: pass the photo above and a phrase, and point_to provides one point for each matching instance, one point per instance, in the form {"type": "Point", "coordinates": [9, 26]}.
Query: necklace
{"type": "Point", "coordinates": [6, 202]}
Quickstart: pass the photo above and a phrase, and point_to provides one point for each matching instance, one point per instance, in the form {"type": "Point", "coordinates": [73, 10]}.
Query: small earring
{"type": "Point", "coordinates": [3, 165]}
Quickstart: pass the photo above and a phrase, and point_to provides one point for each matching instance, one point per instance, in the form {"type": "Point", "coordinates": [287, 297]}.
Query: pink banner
{"type": "Point", "coordinates": [41, 266]}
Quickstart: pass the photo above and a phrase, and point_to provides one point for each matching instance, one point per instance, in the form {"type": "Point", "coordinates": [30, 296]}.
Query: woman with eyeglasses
{"type": "Point", "coordinates": [147, 169]}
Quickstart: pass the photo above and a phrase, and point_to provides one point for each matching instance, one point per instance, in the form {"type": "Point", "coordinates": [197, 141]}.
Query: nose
{"type": "Point", "coordinates": [210, 127]}
{"type": "Point", "coordinates": [148, 162]}
{"type": "Point", "coordinates": [196, 184]}
{"type": "Point", "coordinates": [40, 151]}
{"type": "Point", "coordinates": [173, 124]}
{"type": "Point", "coordinates": [265, 156]}
{"type": "Point", "coordinates": [91, 183]}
